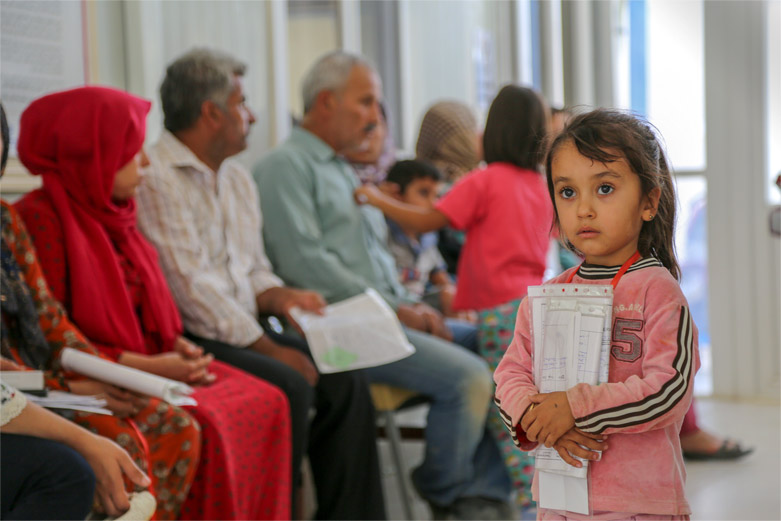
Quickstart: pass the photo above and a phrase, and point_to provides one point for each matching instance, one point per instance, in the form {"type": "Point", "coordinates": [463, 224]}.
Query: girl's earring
{"type": "Point", "coordinates": [651, 217]}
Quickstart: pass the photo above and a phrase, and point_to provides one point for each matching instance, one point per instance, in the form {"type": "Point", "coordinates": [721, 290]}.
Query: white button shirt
{"type": "Point", "coordinates": [207, 229]}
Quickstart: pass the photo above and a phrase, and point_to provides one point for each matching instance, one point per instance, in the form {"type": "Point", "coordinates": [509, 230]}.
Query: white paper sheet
{"type": "Point", "coordinates": [173, 392]}
{"type": "Point", "coordinates": [76, 402]}
{"type": "Point", "coordinates": [358, 332]}
{"type": "Point", "coordinates": [571, 333]}
{"type": "Point", "coordinates": [563, 492]}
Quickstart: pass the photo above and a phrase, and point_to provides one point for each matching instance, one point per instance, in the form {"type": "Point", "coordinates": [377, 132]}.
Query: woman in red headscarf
{"type": "Point", "coordinates": [86, 145]}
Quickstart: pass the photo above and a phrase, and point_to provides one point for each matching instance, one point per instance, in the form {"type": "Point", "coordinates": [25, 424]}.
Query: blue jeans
{"type": "Point", "coordinates": [461, 458]}
{"type": "Point", "coordinates": [464, 333]}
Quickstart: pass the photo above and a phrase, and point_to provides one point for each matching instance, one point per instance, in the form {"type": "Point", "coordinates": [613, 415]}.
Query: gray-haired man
{"type": "Point", "coordinates": [317, 237]}
{"type": "Point", "coordinates": [200, 210]}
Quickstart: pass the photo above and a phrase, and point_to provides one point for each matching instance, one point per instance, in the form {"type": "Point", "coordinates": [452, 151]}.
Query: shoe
{"type": "Point", "coordinates": [438, 512]}
{"type": "Point", "coordinates": [485, 509]}
{"type": "Point", "coordinates": [729, 450]}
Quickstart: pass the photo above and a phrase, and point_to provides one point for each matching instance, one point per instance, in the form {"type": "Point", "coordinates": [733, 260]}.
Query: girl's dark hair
{"type": "Point", "coordinates": [516, 128]}
{"type": "Point", "coordinates": [605, 136]}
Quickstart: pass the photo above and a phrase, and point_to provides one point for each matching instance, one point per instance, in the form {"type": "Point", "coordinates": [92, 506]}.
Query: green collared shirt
{"type": "Point", "coordinates": [316, 236]}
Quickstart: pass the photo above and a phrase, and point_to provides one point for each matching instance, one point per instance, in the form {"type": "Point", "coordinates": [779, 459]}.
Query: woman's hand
{"type": "Point", "coordinates": [191, 351]}
{"type": "Point", "coordinates": [9, 365]}
{"type": "Point", "coordinates": [175, 366]}
{"type": "Point", "coordinates": [187, 349]}
{"type": "Point", "coordinates": [122, 403]}
{"type": "Point", "coordinates": [110, 463]}
{"type": "Point", "coordinates": [186, 363]}
{"type": "Point", "coordinates": [586, 446]}
{"type": "Point", "coordinates": [548, 418]}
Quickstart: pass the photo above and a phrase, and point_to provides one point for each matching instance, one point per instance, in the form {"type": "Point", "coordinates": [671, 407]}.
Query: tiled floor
{"type": "Point", "coordinates": [749, 489]}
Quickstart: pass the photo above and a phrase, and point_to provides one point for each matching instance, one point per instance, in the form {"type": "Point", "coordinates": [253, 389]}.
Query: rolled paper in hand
{"type": "Point", "coordinates": [173, 392]}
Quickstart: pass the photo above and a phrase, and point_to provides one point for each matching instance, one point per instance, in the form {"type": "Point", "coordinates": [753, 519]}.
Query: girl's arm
{"type": "Point", "coordinates": [515, 380]}
{"type": "Point", "coordinates": [660, 391]}
{"type": "Point", "coordinates": [416, 218]}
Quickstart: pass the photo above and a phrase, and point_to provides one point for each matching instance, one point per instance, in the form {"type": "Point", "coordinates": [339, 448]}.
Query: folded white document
{"type": "Point", "coordinates": [173, 392]}
{"type": "Point", "coordinates": [75, 402]}
{"type": "Point", "coordinates": [571, 326]}
{"type": "Point", "coordinates": [361, 331]}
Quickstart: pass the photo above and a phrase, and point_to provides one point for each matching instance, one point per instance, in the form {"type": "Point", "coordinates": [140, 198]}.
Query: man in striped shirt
{"type": "Point", "coordinates": [200, 209]}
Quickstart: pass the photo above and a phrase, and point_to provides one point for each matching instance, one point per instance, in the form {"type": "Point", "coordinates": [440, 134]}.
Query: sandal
{"type": "Point", "coordinates": [729, 450]}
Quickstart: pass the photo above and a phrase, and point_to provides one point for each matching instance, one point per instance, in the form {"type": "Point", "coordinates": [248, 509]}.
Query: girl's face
{"type": "Point", "coordinates": [601, 206]}
{"type": "Point", "coordinates": [129, 177]}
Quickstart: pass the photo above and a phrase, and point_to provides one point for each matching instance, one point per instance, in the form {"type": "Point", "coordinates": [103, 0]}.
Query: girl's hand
{"type": "Point", "coordinates": [548, 418]}
{"type": "Point", "coordinates": [110, 463]}
{"type": "Point", "coordinates": [586, 446]}
{"type": "Point", "coordinates": [122, 403]}
{"type": "Point", "coordinates": [367, 194]}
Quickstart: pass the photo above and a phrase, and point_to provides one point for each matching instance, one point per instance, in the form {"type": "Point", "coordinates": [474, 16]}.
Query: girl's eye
{"type": "Point", "coordinates": [567, 193]}
{"type": "Point", "coordinates": [605, 189]}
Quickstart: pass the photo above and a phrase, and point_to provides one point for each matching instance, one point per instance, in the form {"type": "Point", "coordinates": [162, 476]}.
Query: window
{"type": "Point", "coordinates": [467, 59]}
{"type": "Point", "coordinates": [667, 75]}
{"type": "Point", "coordinates": [313, 30]}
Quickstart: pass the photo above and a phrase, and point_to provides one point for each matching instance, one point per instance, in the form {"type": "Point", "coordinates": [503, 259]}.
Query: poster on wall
{"type": "Point", "coordinates": [42, 49]}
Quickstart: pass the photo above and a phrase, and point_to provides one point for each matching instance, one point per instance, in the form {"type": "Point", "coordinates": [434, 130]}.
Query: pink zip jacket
{"type": "Point", "coordinates": [653, 359]}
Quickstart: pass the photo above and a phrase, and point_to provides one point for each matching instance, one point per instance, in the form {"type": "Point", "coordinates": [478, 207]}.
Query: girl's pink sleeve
{"type": "Point", "coordinates": [660, 392]}
{"type": "Point", "coordinates": [515, 379]}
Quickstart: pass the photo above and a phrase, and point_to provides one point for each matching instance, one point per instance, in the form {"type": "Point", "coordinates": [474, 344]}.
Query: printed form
{"type": "Point", "coordinates": [571, 334]}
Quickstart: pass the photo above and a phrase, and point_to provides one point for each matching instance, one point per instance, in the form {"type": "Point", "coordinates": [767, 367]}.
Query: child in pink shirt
{"type": "Point", "coordinates": [505, 211]}
{"type": "Point", "coordinates": [615, 206]}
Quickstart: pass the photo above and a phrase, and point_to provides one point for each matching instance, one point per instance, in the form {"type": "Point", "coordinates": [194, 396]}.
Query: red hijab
{"type": "Point", "coordinates": [76, 141]}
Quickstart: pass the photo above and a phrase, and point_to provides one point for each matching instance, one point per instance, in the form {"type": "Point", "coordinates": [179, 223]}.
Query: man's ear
{"type": "Point", "coordinates": [326, 99]}
{"type": "Point", "coordinates": [211, 113]}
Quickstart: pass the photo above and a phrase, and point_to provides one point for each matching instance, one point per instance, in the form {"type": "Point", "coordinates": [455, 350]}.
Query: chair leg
{"type": "Point", "coordinates": [392, 431]}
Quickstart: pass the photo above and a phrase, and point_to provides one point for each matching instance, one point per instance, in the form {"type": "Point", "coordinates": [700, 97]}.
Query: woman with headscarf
{"type": "Point", "coordinates": [35, 330]}
{"type": "Point", "coordinates": [449, 139]}
{"type": "Point", "coordinates": [86, 144]}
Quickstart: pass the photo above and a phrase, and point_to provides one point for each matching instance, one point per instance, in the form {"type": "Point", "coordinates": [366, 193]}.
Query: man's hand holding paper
{"type": "Point", "coordinates": [281, 300]}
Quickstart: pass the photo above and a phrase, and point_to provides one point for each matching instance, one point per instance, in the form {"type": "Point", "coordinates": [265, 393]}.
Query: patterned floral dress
{"type": "Point", "coordinates": [494, 334]}
{"type": "Point", "coordinates": [163, 440]}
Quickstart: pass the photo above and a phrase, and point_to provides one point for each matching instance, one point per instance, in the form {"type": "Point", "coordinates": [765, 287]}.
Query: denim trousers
{"type": "Point", "coordinates": [461, 459]}
{"type": "Point", "coordinates": [464, 334]}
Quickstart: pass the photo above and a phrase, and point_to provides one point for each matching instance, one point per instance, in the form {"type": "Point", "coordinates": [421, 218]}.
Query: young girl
{"type": "Point", "coordinates": [615, 206]}
{"type": "Point", "coordinates": [506, 214]}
